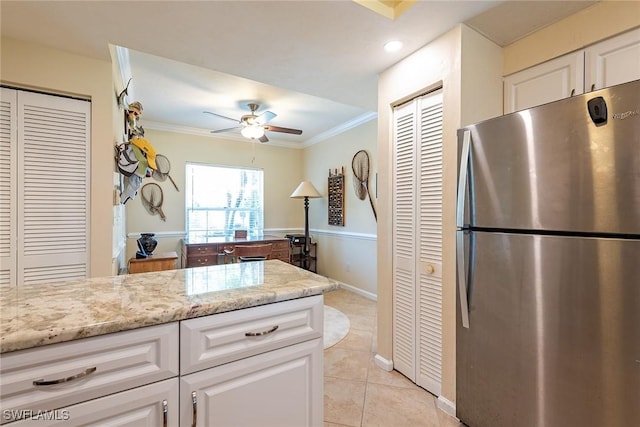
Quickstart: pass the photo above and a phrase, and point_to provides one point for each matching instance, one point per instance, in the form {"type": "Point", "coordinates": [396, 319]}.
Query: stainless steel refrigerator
{"type": "Point", "coordinates": [548, 265]}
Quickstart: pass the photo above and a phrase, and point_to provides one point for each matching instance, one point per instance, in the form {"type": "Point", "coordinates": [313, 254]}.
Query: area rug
{"type": "Point", "coordinates": [336, 326]}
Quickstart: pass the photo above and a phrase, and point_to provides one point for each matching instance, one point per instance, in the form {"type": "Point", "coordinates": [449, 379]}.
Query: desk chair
{"type": "Point", "coordinates": [244, 253]}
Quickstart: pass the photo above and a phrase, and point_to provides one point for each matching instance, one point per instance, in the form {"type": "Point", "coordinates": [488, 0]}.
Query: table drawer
{"type": "Point", "coordinates": [77, 371]}
{"type": "Point", "coordinates": [220, 338]}
{"type": "Point", "coordinates": [281, 255]}
{"type": "Point", "coordinates": [281, 245]}
{"type": "Point", "coordinates": [202, 260]}
{"type": "Point", "coordinates": [202, 249]}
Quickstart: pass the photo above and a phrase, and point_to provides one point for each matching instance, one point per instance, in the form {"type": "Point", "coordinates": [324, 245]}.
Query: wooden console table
{"type": "Point", "coordinates": [157, 262]}
{"type": "Point", "coordinates": [210, 251]}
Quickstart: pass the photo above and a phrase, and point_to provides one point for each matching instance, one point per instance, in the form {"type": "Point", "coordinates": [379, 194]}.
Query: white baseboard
{"type": "Point", "coordinates": [366, 294]}
{"type": "Point", "coordinates": [383, 363]}
{"type": "Point", "coordinates": [446, 406]}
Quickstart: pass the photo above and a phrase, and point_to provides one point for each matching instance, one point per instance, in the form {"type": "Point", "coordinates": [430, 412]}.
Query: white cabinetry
{"type": "Point", "coordinates": [256, 367]}
{"type": "Point", "coordinates": [547, 82]}
{"type": "Point", "coordinates": [260, 366]}
{"type": "Point", "coordinates": [610, 62]}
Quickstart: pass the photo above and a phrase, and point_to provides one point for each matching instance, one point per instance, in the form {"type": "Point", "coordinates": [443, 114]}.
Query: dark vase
{"type": "Point", "coordinates": [148, 242]}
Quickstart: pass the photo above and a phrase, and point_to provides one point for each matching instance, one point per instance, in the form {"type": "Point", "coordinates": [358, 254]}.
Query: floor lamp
{"type": "Point", "coordinates": [306, 191]}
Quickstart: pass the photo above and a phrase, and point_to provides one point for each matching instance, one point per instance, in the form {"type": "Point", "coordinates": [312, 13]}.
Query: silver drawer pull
{"type": "Point", "coordinates": [165, 413]}
{"type": "Point", "coordinates": [67, 379]}
{"type": "Point", "coordinates": [194, 403]}
{"type": "Point", "coordinates": [257, 334]}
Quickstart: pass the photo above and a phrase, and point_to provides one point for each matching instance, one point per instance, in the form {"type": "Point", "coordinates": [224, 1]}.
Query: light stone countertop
{"type": "Point", "coordinates": [36, 315]}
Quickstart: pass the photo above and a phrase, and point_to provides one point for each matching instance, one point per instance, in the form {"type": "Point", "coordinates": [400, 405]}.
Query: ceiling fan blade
{"type": "Point", "coordinates": [263, 138]}
{"type": "Point", "coordinates": [283, 130]}
{"type": "Point", "coordinates": [225, 129]}
{"type": "Point", "coordinates": [221, 116]}
{"type": "Point", "coordinates": [265, 117]}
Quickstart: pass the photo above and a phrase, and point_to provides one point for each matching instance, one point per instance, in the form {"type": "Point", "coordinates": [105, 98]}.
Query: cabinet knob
{"type": "Point", "coordinates": [431, 269]}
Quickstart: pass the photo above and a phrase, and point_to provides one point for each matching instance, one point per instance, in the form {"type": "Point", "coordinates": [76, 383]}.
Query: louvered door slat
{"type": "Point", "coordinates": [8, 163]}
{"type": "Point", "coordinates": [430, 238]}
{"type": "Point", "coordinates": [53, 199]}
{"type": "Point", "coordinates": [404, 242]}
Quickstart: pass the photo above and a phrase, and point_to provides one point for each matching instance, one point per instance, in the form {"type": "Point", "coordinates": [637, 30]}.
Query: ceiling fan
{"type": "Point", "coordinates": [253, 126]}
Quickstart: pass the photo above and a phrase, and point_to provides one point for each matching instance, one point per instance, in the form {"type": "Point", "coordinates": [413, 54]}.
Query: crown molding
{"type": "Point", "coordinates": [360, 120]}
{"type": "Point", "coordinates": [166, 127]}
{"type": "Point", "coordinates": [123, 66]}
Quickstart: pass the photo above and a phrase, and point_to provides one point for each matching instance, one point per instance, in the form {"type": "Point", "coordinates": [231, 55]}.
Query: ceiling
{"type": "Point", "coordinates": [313, 63]}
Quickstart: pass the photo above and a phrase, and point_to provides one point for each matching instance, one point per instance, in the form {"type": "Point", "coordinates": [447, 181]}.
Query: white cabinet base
{"type": "Point", "coordinates": [279, 388]}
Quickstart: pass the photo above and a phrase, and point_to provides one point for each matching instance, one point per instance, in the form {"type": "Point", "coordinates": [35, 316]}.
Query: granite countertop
{"type": "Point", "coordinates": [36, 315]}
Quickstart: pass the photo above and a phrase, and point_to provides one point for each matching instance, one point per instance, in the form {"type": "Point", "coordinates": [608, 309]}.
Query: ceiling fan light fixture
{"type": "Point", "coordinates": [252, 132]}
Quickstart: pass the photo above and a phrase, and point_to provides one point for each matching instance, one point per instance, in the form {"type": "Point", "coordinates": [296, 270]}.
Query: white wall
{"type": "Point", "coordinates": [283, 171]}
{"type": "Point", "coordinates": [346, 253]}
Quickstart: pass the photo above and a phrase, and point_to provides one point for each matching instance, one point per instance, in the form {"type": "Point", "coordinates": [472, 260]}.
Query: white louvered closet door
{"type": "Point", "coordinates": [51, 220]}
{"type": "Point", "coordinates": [417, 240]}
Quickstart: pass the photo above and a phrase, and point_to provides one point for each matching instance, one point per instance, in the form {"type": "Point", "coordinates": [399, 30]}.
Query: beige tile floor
{"type": "Point", "coordinates": [360, 394]}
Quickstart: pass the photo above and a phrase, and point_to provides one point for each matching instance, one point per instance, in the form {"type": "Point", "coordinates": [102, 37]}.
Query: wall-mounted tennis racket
{"type": "Point", "coordinates": [163, 166]}
{"type": "Point", "coordinates": [152, 198]}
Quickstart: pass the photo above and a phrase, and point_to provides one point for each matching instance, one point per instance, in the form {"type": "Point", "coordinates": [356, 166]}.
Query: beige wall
{"type": "Point", "coordinates": [600, 21]}
{"type": "Point", "coordinates": [437, 64]}
{"type": "Point", "coordinates": [282, 167]}
{"type": "Point", "coordinates": [345, 253]}
{"type": "Point", "coordinates": [33, 66]}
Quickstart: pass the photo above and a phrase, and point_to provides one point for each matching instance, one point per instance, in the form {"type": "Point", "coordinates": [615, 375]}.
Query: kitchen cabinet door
{"type": "Point", "coordinates": [547, 82]}
{"type": "Point", "coordinates": [279, 388]}
{"type": "Point", "coordinates": [613, 61]}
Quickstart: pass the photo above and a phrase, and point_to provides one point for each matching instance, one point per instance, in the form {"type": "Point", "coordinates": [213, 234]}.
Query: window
{"type": "Point", "coordinates": [222, 199]}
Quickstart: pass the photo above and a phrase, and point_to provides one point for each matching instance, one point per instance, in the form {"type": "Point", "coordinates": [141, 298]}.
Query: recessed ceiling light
{"type": "Point", "coordinates": [393, 46]}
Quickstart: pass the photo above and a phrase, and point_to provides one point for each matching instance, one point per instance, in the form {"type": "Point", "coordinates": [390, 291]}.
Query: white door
{"type": "Point", "coordinates": [280, 388]}
{"type": "Point", "coordinates": [613, 61]}
{"type": "Point", "coordinates": [550, 81]}
{"type": "Point", "coordinates": [45, 213]}
{"type": "Point", "coordinates": [417, 241]}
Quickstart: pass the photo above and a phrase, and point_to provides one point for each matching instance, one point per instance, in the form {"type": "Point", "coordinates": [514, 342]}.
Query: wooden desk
{"type": "Point", "coordinates": [156, 262]}
{"type": "Point", "coordinates": [211, 252]}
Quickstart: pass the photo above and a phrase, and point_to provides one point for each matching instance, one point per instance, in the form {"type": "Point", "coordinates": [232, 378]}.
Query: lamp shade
{"type": "Point", "coordinates": [305, 189]}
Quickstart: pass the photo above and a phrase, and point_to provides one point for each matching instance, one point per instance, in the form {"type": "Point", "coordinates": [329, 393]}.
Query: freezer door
{"type": "Point", "coordinates": [555, 167]}
{"type": "Point", "coordinates": [554, 332]}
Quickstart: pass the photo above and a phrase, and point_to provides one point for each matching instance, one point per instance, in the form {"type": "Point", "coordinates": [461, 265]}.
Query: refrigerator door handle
{"type": "Point", "coordinates": [462, 282]}
{"type": "Point", "coordinates": [462, 177]}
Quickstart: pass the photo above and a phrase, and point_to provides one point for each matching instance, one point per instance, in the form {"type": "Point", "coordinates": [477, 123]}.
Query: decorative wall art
{"type": "Point", "coordinates": [336, 197]}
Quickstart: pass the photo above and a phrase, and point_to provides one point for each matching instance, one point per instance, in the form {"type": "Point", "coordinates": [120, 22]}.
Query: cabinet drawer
{"type": "Point", "coordinates": [204, 249]}
{"type": "Point", "coordinates": [202, 260]}
{"type": "Point", "coordinates": [220, 338]}
{"type": "Point", "coordinates": [142, 406]}
{"type": "Point", "coordinates": [102, 365]}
